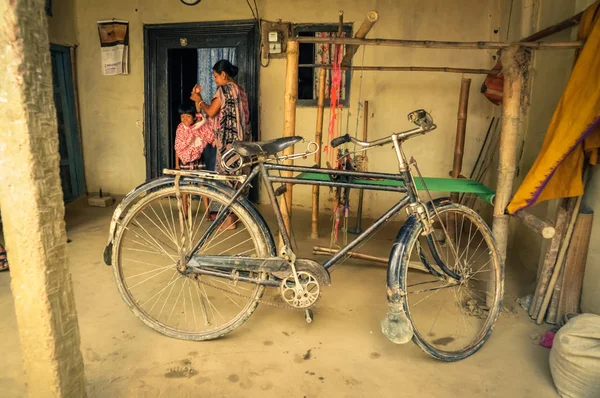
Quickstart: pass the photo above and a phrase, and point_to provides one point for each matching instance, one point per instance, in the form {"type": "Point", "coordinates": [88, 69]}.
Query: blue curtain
{"type": "Point", "coordinates": [207, 58]}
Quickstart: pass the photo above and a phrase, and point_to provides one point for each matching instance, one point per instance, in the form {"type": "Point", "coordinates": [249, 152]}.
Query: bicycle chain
{"type": "Point", "coordinates": [259, 300]}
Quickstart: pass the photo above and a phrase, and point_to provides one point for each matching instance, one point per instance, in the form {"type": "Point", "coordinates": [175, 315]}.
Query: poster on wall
{"type": "Point", "coordinates": [114, 45]}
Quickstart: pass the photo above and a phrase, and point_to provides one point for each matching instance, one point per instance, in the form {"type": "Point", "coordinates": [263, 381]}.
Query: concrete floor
{"type": "Point", "coordinates": [276, 353]}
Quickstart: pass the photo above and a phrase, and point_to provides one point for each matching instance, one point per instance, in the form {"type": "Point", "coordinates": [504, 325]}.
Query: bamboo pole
{"type": "Point", "coordinates": [536, 224]}
{"type": "Point", "coordinates": [473, 45]}
{"type": "Point", "coordinates": [461, 127]}
{"type": "Point", "coordinates": [409, 69]}
{"type": "Point", "coordinates": [361, 192]}
{"type": "Point", "coordinates": [320, 250]}
{"type": "Point", "coordinates": [319, 140]}
{"type": "Point", "coordinates": [550, 30]}
{"type": "Point", "coordinates": [289, 124]}
{"type": "Point", "coordinates": [559, 262]}
{"type": "Point", "coordinates": [511, 59]}
{"type": "Point", "coordinates": [361, 33]}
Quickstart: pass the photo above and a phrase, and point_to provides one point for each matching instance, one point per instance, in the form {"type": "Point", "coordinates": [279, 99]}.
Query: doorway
{"type": "Point", "coordinates": [172, 58]}
{"type": "Point", "coordinates": [69, 145]}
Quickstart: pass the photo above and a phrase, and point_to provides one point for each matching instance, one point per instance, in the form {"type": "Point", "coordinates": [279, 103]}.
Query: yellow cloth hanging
{"type": "Point", "coordinates": [574, 131]}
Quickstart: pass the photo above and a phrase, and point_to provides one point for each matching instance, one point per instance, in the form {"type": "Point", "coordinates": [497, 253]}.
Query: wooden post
{"type": "Point", "coordinates": [289, 123]}
{"type": "Point", "coordinates": [31, 198]}
{"type": "Point", "coordinates": [319, 140]}
{"type": "Point", "coordinates": [461, 127]}
{"type": "Point", "coordinates": [513, 78]}
{"type": "Point", "coordinates": [361, 33]}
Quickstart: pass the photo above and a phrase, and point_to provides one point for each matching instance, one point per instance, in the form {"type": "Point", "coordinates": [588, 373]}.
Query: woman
{"type": "Point", "coordinates": [228, 108]}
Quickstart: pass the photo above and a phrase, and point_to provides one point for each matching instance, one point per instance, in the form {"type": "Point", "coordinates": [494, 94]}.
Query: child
{"type": "Point", "coordinates": [193, 134]}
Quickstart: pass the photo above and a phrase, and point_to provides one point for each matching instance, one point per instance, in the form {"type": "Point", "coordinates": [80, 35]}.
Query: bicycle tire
{"type": "Point", "coordinates": [493, 310]}
{"type": "Point", "coordinates": [246, 214]}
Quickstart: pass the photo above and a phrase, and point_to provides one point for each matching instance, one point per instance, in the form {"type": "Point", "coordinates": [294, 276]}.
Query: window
{"type": "Point", "coordinates": [310, 53]}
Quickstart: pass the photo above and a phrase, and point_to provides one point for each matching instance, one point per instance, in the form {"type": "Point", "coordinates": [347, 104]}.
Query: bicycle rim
{"type": "Point", "coordinates": [186, 305]}
{"type": "Point", "coordinates": [452, 320]}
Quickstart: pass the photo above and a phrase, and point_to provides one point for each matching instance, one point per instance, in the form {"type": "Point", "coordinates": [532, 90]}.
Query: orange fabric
{"type": "Point", "coordinates": [574, 130]}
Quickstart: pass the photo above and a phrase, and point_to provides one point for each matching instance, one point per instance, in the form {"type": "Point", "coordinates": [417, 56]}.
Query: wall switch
{"type": "Point", "coordinates": [274, 48]}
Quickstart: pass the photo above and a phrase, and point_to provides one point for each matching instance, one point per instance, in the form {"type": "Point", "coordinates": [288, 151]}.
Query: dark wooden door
{"type": "Point", "coordinates": [159, 40]}
{"type": "Point", "coordinates": [69, 146]}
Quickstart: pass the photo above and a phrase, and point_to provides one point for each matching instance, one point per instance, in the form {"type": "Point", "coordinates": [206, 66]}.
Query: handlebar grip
{"type": "Point", "coordinates": [340, 140]}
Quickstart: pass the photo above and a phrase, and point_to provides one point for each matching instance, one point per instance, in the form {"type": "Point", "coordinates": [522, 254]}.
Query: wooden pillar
{"type": "Point", "coordinates": [319, 140]}
{"type": "Point", "coordinates": [31, 199]}
{"type": "Point", "coordinates": [289, 122]}
{"type": "Point", "coordinates": [512, 61]}
{"type": "Point", "coordinates": [461, 127]}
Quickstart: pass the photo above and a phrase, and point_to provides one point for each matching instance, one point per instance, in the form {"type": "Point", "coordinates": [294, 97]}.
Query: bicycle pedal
{"type": "Point", "coordinates": [308, 316]}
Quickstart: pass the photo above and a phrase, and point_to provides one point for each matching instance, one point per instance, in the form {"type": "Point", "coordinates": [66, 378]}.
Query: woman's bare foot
{"type": "Point", "coordinates": [229, 223]}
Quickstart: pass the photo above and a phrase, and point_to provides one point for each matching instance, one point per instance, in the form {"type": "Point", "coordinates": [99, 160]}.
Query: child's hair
{"type": "Point", "coordinates": [227, 67]}
{"type": "Point", "coordinates": [188, 108]}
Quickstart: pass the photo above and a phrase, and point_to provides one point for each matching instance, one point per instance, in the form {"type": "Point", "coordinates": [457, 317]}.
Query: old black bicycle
{"type": "Point", "coordinates": [195, 271]}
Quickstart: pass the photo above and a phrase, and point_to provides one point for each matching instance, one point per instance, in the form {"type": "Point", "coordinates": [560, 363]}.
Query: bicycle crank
{"type": "Point", "coordinates": [302, 294]}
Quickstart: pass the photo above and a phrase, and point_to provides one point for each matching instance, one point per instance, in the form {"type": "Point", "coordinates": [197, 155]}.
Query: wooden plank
{"type": "Point", "coordinates": [549, 262]}
{"type": "Point", "coordinates": [559, 261]}
{"type": "Point", "coordinates": [575, 265]}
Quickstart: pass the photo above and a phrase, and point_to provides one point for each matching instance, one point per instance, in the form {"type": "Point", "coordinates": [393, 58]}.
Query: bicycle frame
{"type": "Point", "coordinates": [263, 169]}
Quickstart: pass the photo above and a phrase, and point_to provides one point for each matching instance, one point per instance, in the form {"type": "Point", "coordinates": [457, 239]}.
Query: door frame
{"type": "Point", "coordinates": [72, 134]}
{"type": "Point", "coordinates": [161, 37]}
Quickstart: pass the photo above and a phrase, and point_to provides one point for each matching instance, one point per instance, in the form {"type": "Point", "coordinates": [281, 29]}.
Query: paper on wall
{"type": "Point", "coordinates": [114, 42]}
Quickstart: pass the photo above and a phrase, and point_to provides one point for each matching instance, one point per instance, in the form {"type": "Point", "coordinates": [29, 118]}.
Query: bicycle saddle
{"type": "Point", "coordinates": [271, 147]}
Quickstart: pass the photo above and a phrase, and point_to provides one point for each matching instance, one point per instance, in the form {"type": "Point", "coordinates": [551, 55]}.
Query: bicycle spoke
{"type": "Point", "coordinates": [148, 255]}
{"type": "Point", "coordinates": [159, 228]}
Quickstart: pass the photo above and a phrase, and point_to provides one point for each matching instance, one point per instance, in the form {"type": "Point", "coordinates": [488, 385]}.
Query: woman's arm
{"type": "Point", "coordinates": [210, 109]}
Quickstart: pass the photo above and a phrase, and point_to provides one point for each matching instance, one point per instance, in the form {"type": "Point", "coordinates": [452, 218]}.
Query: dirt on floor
{"type": "Point", "coordinates": [276, 353]}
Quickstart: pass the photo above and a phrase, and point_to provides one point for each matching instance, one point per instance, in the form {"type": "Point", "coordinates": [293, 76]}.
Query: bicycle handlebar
{"type": "Point", "coordinates": [419, 117]}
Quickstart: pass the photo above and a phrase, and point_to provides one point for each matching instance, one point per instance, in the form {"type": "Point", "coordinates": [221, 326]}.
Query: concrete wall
{"type": "Point", "coordinates": [110, 106]}
{"type": "Point", "coordinates": [62, 25]}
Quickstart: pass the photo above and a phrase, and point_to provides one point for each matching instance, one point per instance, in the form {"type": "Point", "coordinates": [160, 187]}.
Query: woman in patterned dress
{"type": "Point", "coordinates": [228, 108]}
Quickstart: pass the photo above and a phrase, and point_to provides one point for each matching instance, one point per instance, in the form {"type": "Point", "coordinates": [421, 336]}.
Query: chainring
{"type": "Point", "coordinates": [302, 295]}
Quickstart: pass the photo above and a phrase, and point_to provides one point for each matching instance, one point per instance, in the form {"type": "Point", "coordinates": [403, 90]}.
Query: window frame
{"type": "Point", "coordinates": [325, 27]}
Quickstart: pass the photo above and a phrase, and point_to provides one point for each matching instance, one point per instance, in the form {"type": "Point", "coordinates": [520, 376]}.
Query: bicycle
{"type": "Point", "coordinates": [194, 279]}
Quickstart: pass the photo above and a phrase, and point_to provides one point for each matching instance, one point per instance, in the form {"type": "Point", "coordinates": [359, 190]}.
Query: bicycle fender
{"type": "Point", "coordinates": [395, 325]}
{"type": "Point", "coordinates": [164, 181]}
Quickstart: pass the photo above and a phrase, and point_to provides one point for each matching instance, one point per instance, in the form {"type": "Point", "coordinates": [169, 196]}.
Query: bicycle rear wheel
{"type": "Point", "coordinates": [452, 320]}
{"type": "Point", "coordinates": [187, 305]}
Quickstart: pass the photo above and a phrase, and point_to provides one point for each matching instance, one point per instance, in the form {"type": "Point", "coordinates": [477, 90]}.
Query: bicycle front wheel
{"type": "Point", "coordinates": [453, 319]}
{"type": "Point", "coordinates": [187, 305]}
